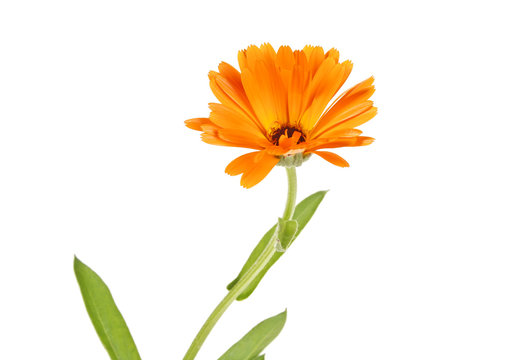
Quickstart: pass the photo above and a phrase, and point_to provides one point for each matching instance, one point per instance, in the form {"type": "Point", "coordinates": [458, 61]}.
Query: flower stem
{"type": "Point", "coordinates": [249, 276]}
{"type": "Point", "coordinates": [291, 193]}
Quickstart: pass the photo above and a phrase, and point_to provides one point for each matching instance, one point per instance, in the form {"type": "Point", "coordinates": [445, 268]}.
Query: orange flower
{"type": "Point", "coordinates": [276, 106]}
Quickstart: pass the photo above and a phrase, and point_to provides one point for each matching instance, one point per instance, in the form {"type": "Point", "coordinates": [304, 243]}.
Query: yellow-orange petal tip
{"type": "Point", "coordinates": [332, 158]}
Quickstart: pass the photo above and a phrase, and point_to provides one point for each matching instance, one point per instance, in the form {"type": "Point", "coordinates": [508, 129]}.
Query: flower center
{"type": "Point", "coordinates": [287, 131]}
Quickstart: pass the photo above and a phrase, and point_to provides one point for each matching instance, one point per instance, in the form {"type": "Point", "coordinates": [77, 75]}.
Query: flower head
{"type": "Point", "coordinates": [278, 106]}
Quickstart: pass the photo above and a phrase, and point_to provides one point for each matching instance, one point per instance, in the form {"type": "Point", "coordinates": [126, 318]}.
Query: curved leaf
{"type": "Point", "coordinates": [256, 340]}
{"type": "Point", "coordinates": [104, 314]}
{"type": "Point", "coordinates": [302, 214]}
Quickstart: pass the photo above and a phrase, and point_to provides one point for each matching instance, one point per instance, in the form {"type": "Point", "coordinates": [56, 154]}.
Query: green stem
{"type": "Point", "coordinates": [249, 276]}
{"type": "Point", "coordinates": [291, 193]}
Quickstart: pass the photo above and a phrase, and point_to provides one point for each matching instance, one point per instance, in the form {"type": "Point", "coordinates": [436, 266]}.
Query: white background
{"type": "Point", "coordinates": [412, 255]}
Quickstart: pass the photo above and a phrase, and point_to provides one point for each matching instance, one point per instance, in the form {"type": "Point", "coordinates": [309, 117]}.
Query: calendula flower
{"type": "Point", "coordinates": [278, 106]}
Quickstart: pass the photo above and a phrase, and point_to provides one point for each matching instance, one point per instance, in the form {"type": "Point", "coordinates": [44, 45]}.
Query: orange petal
{"type": "Point", "coordinates": [268, 53]}
{"type": "Point", "coordinates": [259, 171]}
{"type": "Point", "coordinates": [231, 95]}
{"type": "Point", "coordinates": [226, 117]}
{"type": "Point", "coordinates": [332, 158]}
{"type": "Point", "coordinates": [248, 58]}
{"type": "Point", "coordinates": [315, 57]}
{"type": "Point", "coordinates": [266, 93]}
{"type": "Point", "coordinates": [333, 53]}
{"type": "Point", "coordinates": [285, 58]}
{"type": "Point", "coordinates": [350, 99]}
{"type": "Point", "coordinates": [297, 88]}
{"type": "Point", "coordinates": [210, 128]}
{"type": "Point", "coordinates": [348, 124]}
{"type": "Point", "coordinates": [327, 81]}
{"type": "Point", "coordinates": [244, 138]}
{"type": "Point", "coordinates": [340, 142]}
{"type": "Point", "coordinates": [195, 124]}
{"type": "Point", "coordinates": [241, 164]}
{"type": "Point", "coordinates": [231, 74]}
{"type": "Point", "coordinates": [212, 139]}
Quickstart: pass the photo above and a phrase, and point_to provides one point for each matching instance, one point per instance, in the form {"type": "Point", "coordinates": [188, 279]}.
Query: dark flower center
{"type": "Point", "coordinates": [285, 130]}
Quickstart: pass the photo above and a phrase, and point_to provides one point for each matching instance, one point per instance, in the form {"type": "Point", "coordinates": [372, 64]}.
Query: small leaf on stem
{"type": "Point", "coordinates": [286, 233]}
{"type": "Point", "coordinates": [256, 340]}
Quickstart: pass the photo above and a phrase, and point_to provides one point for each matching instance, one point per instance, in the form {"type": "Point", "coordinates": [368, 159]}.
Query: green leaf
{"type": "Point", "coordinates": [104, 314]}
{"type": "Point", "coordinates": [252, 344]}
{"type": "Point", "coordinates": [302, 214]}
{"type": "Point", "coordinates": [286, 232]}
{"type": "Point", "coordinates": [261, 357]}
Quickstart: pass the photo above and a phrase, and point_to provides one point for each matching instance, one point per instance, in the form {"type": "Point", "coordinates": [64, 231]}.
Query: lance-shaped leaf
{"type": "Point", "coordinates": [256, 340]}
{"type": "Point", "coordinates": [104, 314]}
{"type": "Point", "coordinates": [302, 214]}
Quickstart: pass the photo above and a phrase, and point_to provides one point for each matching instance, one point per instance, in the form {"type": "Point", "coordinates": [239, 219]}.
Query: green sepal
{"type": "Point", "coordinates": [293, 160]}
{"type": "Point", "coordinates": [302, 214]}
{"type": "Point", "coordinates": [255, 341]}
{"type": "Point", "coordinates": [104, 314]}
{"type": "Point", "coordinates": [286, 233]}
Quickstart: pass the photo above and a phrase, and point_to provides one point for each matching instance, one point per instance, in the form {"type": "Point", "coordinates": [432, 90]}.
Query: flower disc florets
{"type": "Point", "coordinates": [287, 131]}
